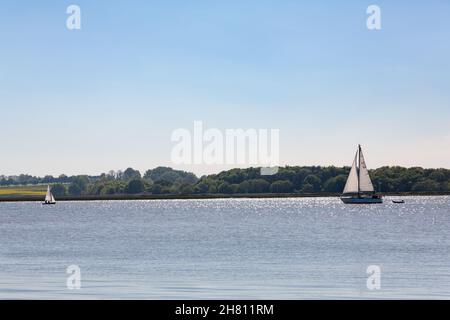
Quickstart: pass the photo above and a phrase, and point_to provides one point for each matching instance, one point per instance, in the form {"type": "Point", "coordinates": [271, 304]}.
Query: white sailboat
{"type": "Point", "coordinates": [359, 188]}
{"type": "Point", "coordinates": [49, 199]}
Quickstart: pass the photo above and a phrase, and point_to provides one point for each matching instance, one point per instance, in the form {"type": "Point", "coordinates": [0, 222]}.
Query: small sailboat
{"type": "Point", "coordinates": [398, 201]}
{"type": "Point", "coordinates": [359, 188]}
{"type": "Point", "coordinates": [49, 199]}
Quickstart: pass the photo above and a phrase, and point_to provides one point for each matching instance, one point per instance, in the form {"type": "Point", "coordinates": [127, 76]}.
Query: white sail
{"type": "Point", "coordinates": [359, 188]}
{"type": "Point", "coordinates": [365, 184]}
{"type": "Point", "coordinates": [48, 196]}
{"type": "Point", "coordinates": [352, 182]}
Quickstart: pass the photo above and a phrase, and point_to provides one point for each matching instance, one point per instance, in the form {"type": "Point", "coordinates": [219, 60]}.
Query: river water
{"type": "Point", "coordinates": [293, 248]}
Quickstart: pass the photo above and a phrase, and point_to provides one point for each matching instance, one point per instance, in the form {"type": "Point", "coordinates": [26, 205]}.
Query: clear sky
{"type": "Point", "coordinates": [109, 96]}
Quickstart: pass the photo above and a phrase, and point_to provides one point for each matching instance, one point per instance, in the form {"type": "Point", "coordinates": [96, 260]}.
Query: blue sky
{"type": "Point", "coordinates": [109, 96]}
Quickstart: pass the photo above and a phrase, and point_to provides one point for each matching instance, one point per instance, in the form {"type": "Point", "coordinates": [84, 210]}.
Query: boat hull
{"type": "Point", "coordinates": [362, 200]}
{"type": "Point", "coordinates": [48, 203]}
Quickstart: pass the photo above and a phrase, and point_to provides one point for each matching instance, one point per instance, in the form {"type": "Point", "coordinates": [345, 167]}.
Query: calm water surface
{"type": "Point", "coordinates": [208, 249]}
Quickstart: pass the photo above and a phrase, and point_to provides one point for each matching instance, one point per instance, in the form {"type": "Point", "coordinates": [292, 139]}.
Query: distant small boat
{"type": "Point", "coordinates": [359, 188]}
{"type": "Point", "coordinates": [398, 201]}
{"type": "Point", "coordinates": [49, 199]}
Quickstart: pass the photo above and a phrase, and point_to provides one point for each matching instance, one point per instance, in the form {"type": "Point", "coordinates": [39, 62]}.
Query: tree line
{"type": "Point", "coordinates": [290, 179]}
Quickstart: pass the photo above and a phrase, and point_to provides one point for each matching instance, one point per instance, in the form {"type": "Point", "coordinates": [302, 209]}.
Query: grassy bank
{"type": "Point", "coordinates": [23, 191]}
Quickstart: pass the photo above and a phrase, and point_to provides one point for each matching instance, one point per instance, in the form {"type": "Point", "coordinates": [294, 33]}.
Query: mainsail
{"type": "Point", "coordinates": [365, 184]}
{"type": "Point", "coordinates": [49, 196]}
{"type": "Point", "coordinates": [358, 180]}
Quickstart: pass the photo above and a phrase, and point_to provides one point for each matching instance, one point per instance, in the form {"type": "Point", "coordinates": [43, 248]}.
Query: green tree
{"type": "Point", "coordinates": [81, 183]}
{"type": "Point", "coordinates": [314, 181]}
{"type": "Point", "coordinates": [281, 186]}
{"type": "Point", "coordinates": [285, 174]}
{"type": "Point", "coordinates": [212, 189]}
{"type": "Point", "coordinates": [201, 188]}
{"type": "Point", "coordinates": [157, 188]}
{"type": "Point", "coordinates": [170, 175]}
{"type": "Point", "coordinates": [258, 186]}
{"type": "Point", "coordinates": [243, 187]}
{"type": "Point", "coordinates": [335, 184]}
{"type": "Point", "coordinates": [225, 188]}
{"type": "Point", "coordinates": [59, 190]}
{"type": "Point", "coordinates": [426, 185]}
{"type": "Point", "coordinates": [187, 189]}
{"type": "Point", "coordinates": [439, 175]}
{"type": "Point", "coordinates": [130, 173]}
{"type": "Point", "coordinates": [234, 188]}
{"type": "Point", "coordinates": [74, 189]}
{"type": "Point", "coordinates": [135, 186]}
{"type": "Point", "coordinates": [109, 189]}
{"type": "Point", "coordinates": [307, 188]}
{"type": "Point", "coordinates": [300, 176]}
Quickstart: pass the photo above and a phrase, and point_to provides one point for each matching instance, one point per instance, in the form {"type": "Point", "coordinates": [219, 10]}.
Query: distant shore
{"type": "Point", "coordinates": [124, 197]}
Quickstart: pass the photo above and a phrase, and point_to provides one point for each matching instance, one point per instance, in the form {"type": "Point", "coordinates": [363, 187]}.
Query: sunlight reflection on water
{"type": "Point", "coordinates": [290, 248]}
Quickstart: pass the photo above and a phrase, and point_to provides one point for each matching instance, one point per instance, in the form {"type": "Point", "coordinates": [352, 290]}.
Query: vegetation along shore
{"type": "Point", "coordinates": [167, 183]}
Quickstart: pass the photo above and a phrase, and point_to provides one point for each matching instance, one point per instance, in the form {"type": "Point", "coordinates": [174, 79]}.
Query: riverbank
{"type": "Point", "coordinates": [125, 197]}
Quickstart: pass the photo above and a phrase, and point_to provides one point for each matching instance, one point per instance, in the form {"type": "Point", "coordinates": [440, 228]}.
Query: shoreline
{"type": "Point", "coordinates": [127, 197]}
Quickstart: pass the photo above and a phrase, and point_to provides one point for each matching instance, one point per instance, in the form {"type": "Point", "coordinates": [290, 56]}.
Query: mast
{"type": "Point", "coordinates": [359, 169]}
